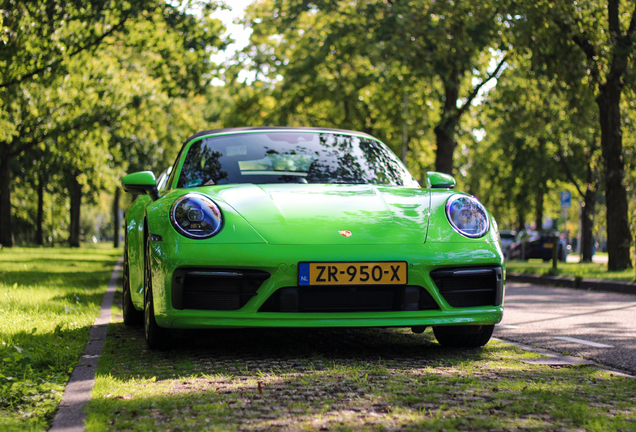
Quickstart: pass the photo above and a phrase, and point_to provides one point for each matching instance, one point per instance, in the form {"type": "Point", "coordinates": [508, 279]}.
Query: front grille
{"type": "Point", "coordinates": [214, 289]}
{"type": "Point", "coordinates": [349, 298]}
{"type": "Point", "coordinates": [470, 287]}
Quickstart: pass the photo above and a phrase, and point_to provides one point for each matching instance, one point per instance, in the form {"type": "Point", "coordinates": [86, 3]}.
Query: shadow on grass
{"type": "Point", "coordinates": [57, 260]}
{"type": "Point", "coordinates": [250, 346]}
{"type": "Point", "coordinates": [88, 279]}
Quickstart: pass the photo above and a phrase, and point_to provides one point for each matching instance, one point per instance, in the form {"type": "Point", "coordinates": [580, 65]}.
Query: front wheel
{"type": "Point", "coordinates": [463, 336]}
{"type": "Point", "coordinates": [157, 338]}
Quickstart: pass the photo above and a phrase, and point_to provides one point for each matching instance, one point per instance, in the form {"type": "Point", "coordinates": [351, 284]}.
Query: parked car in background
{"type": "Point", "coordinates": [506, 238]}
{"type": "Point", "coordinates": [531, 244]}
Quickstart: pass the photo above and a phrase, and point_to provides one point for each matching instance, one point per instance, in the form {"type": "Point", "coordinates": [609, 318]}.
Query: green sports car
{"type": "Point", "coordinates": [306, 227]}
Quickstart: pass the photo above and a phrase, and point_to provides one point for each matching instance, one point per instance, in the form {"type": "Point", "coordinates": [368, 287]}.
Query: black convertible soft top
{"type": "Point", "coordinates": [266, 128]}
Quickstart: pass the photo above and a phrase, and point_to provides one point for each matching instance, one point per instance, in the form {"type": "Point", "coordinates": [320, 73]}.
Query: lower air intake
{"type": "Point", "coordinates": [213, 289]}
{"type": "Point", "coordinates": [358, 298]}
{"type": "Point", "coordinates": [470, 287]}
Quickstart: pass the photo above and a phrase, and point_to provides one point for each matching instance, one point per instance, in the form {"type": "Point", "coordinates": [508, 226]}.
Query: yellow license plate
{"type": "Point", "coordinates": [353, 273]}
{"type": "Point", "coordinates": [547, 245]}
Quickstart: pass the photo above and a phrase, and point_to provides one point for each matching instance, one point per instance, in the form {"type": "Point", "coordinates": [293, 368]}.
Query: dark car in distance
{"type": "Point", "coordinates": [506, 238]}
{"type": "Point", "coordinates": [530, 244]}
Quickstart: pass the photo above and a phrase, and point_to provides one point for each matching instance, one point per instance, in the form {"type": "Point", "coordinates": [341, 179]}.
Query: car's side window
{"type": "Point", "coordinates": [201, 167]}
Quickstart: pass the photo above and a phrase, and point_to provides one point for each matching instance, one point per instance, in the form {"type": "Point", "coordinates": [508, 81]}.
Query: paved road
{"type": "Point", "coordinates": [594, 325]}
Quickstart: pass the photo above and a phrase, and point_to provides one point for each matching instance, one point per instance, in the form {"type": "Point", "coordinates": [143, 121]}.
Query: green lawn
{"type": "Point", "coordinates": [294, 379]}
{"type": "Point", "coordinates": [576, 270]}
{"type": "Point", "coordinates": [49, 298]}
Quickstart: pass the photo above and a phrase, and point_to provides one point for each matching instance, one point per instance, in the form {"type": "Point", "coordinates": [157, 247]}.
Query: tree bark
{"type": "Point", "coordinates": [445, 129]}
{"type": "Point", "coordinates": [619, 237]}
{"type": "Point", "coordinates": [6, 226]}
{"type": "Point", "coordinates": [538, 209]}
{"type": "Point", "coordinates": [116, 221]}
{"type": "Point", "coordinates": [521, 217]}
{"type": "Point", "coordinates": [446, 144]}
{"type": "Point", "coordinates": [39, 233]}
{"type": "Point", "coordinates": [75, 191]}
{"type": "Point", "coordinates": [589, 199]}
{"type": "Point", "coordinates": [587, 223]}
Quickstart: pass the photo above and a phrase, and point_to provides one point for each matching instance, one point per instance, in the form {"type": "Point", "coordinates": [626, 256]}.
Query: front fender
{"type": "Point", "coordinates": [135, 243]}
{"type": "Point", "coordinates": [168, 246]}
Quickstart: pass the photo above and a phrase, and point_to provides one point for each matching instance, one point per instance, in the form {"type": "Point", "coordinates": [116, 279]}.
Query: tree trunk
{"type": "Point", "coordinates": [521, 217]}
{"type": "Point", "coordinates": [445, 148]}
{"type": "Point", "coordinates": [39, 235]}
{"type": "Point", "coordinates": [445, 129]}
{"type": "Point", "coordinates": [75, 191]}
{"type": "Point", "coordinates": [587, 223]}
{"type": "Point", "coordinates": [619, 237]}
{"type": "Point", "coordinates": [405, 136]}
{"type": "Point", "coordinates": [6, 226]}
{"type": "Point", "coordinates": [538, 209]}
{"type": "Point", "coordinates": [541, 187]}
{"type": "Point", "coordinates": [116, 221]}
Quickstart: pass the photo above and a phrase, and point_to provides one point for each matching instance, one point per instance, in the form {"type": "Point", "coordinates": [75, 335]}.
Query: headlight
{"type": "Point", "coordinates": [467, 216]}
{"type": "Point", "coordinates": [196, 216]}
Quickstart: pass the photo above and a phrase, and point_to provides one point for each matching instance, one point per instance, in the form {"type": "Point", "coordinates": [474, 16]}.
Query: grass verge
{"type": "Point", "coordinates": [49, 298]}
{"type": "Point", "coordinates": [345, 380]}
{"type": "Point", "coordinates": [575, 270]}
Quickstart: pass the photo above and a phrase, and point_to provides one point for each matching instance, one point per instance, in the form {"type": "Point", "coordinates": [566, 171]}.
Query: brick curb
{"type": "Point", "coordinates": [570, 282]}
{"type": "Point", "coordinates": [70, 413]}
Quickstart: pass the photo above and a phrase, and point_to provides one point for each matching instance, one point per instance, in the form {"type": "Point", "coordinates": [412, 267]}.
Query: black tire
{"type": "Point", "coordinates": [463, 336]}
{"type": "Point", "coordinates": [132, 317]}
{"type": "Point", "coordinates": [157, 338]}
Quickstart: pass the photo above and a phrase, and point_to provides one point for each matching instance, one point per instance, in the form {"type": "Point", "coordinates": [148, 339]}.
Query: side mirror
{"type": "Point", "coordinates": [438, 180]}
{"type": "Point", "coordinates": [140, 183]}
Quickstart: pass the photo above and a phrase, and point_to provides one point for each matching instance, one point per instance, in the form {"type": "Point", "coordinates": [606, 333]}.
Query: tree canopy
{"type": "Point", "coordinates": [518, 99]}
{"type": "Point", "coordinates": [82, 80]}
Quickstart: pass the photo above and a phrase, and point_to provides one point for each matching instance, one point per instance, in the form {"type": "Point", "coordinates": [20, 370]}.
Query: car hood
{"type": "Point", "coordinates": [294, 214]}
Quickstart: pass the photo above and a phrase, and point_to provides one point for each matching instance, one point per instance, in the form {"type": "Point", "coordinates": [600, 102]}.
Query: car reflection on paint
{"type": "Point", "coordinates": [506, 238]}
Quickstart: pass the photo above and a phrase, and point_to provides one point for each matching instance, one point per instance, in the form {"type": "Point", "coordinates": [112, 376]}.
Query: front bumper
{"type": "Point", "coordinates": [281, 262]}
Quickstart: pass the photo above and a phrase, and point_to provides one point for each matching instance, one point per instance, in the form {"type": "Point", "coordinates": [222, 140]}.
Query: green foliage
{"type": "Point", "coordinates": [111, 84]}
{"type": "Point", "coordinates": [312, 69]}
{"type": "Point", "coordinates": [588, 48]}
{"type": "Point", "coordinates": [117, 86]}
{"type": "Point", "coordinates": [537, 143]}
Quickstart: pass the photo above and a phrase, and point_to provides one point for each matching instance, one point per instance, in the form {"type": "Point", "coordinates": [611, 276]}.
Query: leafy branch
{"type": "Point", "coordinates": [54, 64]}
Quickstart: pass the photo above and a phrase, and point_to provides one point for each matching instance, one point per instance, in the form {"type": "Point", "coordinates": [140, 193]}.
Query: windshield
{"type": "Point", "coordinates": [291, 157]}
